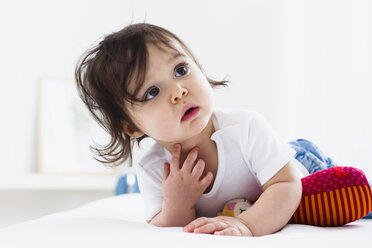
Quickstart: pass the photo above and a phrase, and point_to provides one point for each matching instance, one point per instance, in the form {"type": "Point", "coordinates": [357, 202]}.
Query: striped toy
{"type": "Point", "coordinates": [333, 197]}
{"type": "Point", "coordinates": [330, 197]}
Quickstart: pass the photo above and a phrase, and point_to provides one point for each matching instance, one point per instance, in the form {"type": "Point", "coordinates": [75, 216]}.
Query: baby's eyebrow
{"type": "Point", "coordinates": [176, 55]}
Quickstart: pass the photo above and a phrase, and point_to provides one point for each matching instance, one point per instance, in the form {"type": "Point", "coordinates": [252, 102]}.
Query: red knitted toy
{"type": "Point", "coordinates": [330, 197]}
{"type": "Point", "coordinates": [333, 197]}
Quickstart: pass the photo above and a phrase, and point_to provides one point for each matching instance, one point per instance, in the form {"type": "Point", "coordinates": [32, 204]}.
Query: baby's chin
{"type": "Point", "coordinates": [184, 136]}
{"type": "Point", "coordinates": [203, 126]}
{"type": "Point", "coordinates": [186, 130]}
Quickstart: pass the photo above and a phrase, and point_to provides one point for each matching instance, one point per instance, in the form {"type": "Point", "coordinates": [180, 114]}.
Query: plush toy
{"type": "Point", "coordinates": [330, 197]}
{"type": "Point", "coordinates": [235, 207]}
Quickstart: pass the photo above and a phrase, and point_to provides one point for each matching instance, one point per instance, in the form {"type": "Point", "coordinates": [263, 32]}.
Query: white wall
{"type": "Point", "coordinates": [305, 65]}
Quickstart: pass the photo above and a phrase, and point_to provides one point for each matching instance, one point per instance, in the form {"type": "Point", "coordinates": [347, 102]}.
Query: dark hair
{"type": "Point", "coordinates": [103, 74]}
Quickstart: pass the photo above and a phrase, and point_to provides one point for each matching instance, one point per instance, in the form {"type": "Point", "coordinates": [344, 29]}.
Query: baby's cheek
{"type": "Point", "coordinates": [163, 131]}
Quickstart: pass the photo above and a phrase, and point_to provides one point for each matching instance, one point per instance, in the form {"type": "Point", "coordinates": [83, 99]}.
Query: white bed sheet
{"type": "Point", "coordinates": [118, 222]}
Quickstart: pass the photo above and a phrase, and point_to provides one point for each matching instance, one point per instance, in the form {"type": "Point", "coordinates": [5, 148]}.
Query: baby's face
{"type": "Point", "coordinates": [171, 83]}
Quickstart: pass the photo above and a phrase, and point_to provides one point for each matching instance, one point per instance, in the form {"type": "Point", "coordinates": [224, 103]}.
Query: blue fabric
{"type": "Point", "coordinates": [310, 156]}
{"type": "Point", "coordinates": [124, 186]}
{"type": "Point", "coordinates": [368, 216]}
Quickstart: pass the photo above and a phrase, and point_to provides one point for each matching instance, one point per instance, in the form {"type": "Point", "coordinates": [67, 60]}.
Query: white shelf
{"type": "Point", "coordinates": [58, 182]}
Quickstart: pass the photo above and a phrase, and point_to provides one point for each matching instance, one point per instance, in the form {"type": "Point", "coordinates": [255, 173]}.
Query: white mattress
{"type": "Point", "coordinates": [118, 222]}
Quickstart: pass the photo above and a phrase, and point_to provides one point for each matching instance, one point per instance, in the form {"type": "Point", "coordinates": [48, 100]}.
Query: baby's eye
{"type": "Point", "coordinates": [151, 93]}
{"type": "Point", "coordinates": [181, 70]}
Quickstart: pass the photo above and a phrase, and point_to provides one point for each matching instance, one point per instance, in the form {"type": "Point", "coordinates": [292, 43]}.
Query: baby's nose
{"type": "Point", "coordinates": [178, 93]}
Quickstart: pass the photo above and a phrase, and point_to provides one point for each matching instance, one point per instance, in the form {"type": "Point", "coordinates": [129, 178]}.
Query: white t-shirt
{"type": "Point", "coordinates": [249, 154]}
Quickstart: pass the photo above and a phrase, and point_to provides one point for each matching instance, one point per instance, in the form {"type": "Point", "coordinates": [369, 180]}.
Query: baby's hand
{"type": "Point", "coordinates": [183, 186]}
{"type": "Point", "coordinates": [220, 225]}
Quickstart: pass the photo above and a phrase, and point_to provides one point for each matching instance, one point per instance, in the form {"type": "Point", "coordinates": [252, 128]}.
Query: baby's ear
{"type": "Point", "coordinates": [131, 131]}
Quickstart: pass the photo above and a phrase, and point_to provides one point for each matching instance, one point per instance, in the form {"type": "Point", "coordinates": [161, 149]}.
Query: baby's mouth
{"type": "Point", "coordinates": [191, 112]}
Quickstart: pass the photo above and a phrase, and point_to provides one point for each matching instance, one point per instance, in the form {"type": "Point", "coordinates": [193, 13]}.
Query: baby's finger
{"type": "Point", "coordinates": [195, 224]}
{"type": "Point", "coordinates": [198, 169]}
{"type": "Point", "coordinates": [230, 231]}
{"type": "Point", "coordinates": [175, 162]}
{"type": "Point", "coordinates": [211, 227]}
{"type": "Point", "coordinates": [206, 180]}
{"type": "Point", "coordinates": [166, 171]}
{"type": "Point", "coordinates": [190, 160]}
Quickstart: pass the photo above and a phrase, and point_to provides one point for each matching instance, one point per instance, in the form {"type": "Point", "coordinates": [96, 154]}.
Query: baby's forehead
{"type": "Point", "coordinates": [171, 49]}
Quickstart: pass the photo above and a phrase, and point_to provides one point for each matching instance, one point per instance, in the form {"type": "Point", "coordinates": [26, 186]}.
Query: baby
{"type": "Point", "coordinates": [143, 81]}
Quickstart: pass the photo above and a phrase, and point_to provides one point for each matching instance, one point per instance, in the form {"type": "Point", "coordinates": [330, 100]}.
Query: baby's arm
{"type": "Point", "coordinates": [173, 217]}
{"type": "Point", "coordinates": [182, 188]}
{"type": "Point", "coordinates": [276, 205]}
